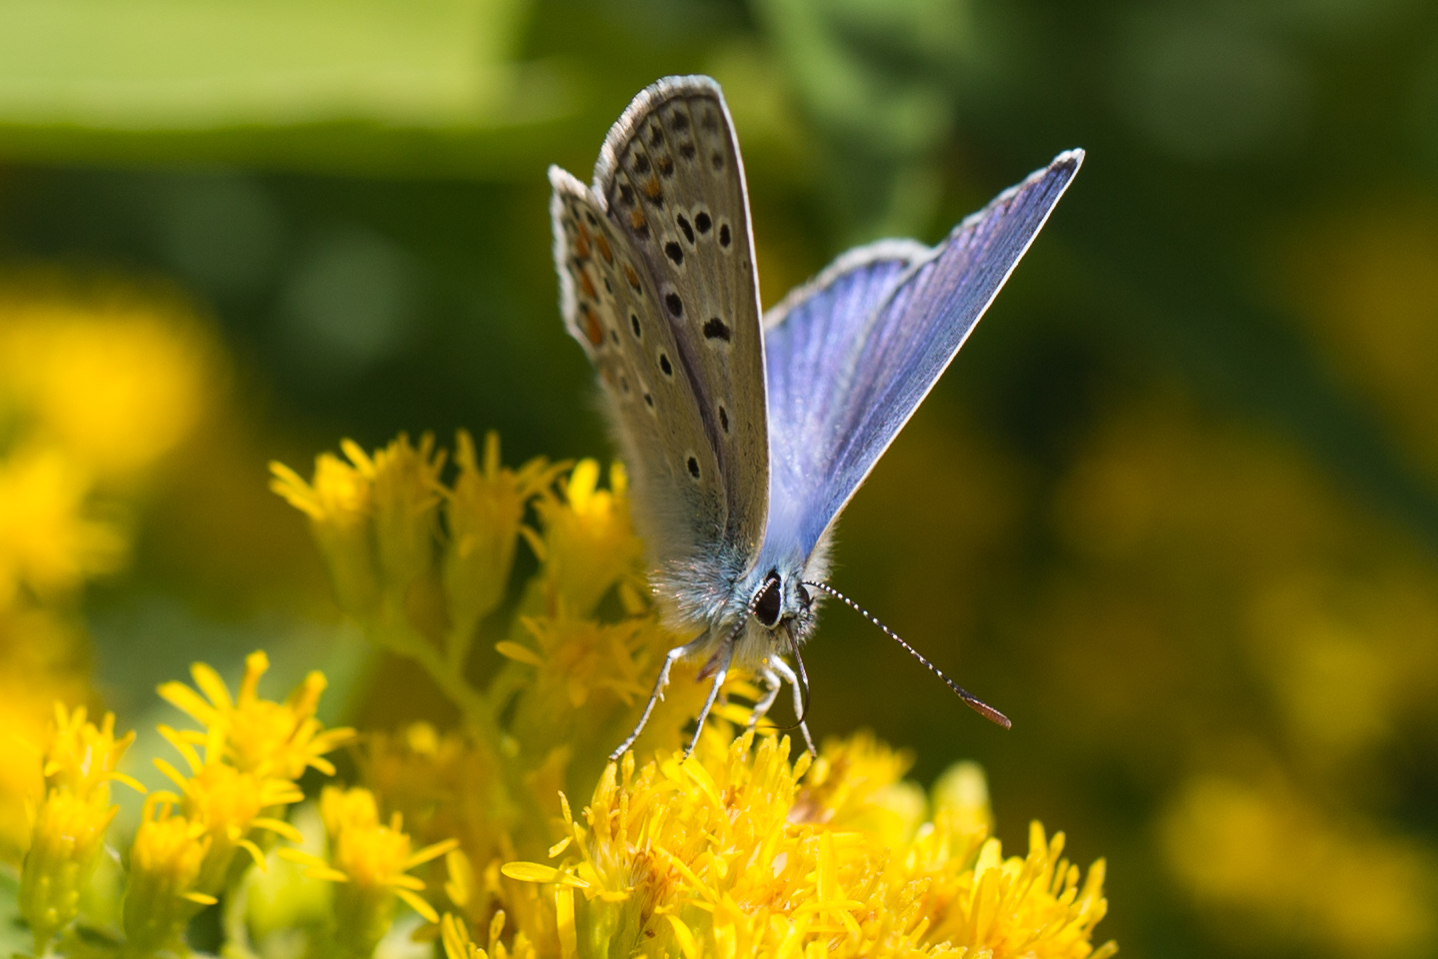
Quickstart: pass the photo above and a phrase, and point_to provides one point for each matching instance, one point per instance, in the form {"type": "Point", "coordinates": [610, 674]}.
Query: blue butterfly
{"type": "Point", "coordinates": [747, 434]}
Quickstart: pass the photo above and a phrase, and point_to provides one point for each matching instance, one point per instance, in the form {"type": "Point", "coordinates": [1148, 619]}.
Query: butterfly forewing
{"type": "Point", "coordinates": [673, 183]}
{"type": "Point", "coordinates": [610, 307]}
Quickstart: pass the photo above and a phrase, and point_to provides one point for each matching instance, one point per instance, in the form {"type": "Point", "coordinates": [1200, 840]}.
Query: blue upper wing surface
{"type": "Point", "coordinates": [850, 356]}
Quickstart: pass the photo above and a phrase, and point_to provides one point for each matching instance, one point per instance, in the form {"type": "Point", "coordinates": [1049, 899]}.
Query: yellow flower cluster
{"type": "Point", "coordinates": [68, 830]}
{"type": "Point", "coordinates": [371, 861]}
{"type": "Point", "coordinates": [737, 852]}
{"type": "Point", "coordinates": [97, 385]}
{"type": "Point", "coordinates": [193, 844]}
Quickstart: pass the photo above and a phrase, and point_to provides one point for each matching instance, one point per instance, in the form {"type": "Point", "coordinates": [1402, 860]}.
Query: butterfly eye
{"type": "Point", "coordinates": [767, 609]}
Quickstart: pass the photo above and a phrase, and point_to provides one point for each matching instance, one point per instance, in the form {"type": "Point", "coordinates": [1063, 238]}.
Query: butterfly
{"type": "Point", "coordinates": [747, 433]}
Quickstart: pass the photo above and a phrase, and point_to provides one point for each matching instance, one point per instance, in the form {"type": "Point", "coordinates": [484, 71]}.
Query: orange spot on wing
{"type": "Point", "coordinates": [602, 242]}
{"type": "Point", "coordinates": [651, 188]}
{"type": "Point", "coordinates": [581, 243]}
{"type": "Point", "coordinates": [637, 219]}
{"type": "Point", "coordinates": [592, 330]}
{"type": "Point", "coordinates": [631, 276]}
{"type": "Point", "coordinates": [588, 285]}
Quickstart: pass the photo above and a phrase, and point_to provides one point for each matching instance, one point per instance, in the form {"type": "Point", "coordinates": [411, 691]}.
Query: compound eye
{"type": "Point", "coordinates": [767, 609]}
{"type": "Point", "coordinates": [803, 595]}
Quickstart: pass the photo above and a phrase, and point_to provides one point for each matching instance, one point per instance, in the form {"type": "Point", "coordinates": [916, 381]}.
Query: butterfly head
{"type": "Point", "coordinates": [776, 603]}
{"type": "Point", "coordinates": [781, 603]}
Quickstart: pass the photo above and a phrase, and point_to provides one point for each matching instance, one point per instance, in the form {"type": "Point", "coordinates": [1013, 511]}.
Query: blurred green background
{"type": "Point", "coordinates": [1174, 509]}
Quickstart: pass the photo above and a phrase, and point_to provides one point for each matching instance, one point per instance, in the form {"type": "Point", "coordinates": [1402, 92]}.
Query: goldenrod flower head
{"type": "Point", "coordinates": [458, 945]}
{"type": "Point", "coordinates": [81, 757]}
{"type": "Point", "coordinates": [483, 510]}
{"type": "Point", "coordinates": [163, 892]}
{"type": "Point", "coordinates": [718, 855]}
{"type": "Point", "coordinates": [588, 543]}
{"type": "Point", "coordinates": [260, 736]}
{"type": "Point", "coordinates": [372, 861]}
{"type": "Point", "coordinates": [77, 764]}
{"type": "Point", "coordinates": [406, 502]}
{"type": "Point", "coordinates": [66, 840]}
{"type": "Point", "coordinates": [49, 541]}
{"type": "Point", "coordinates": [229, 804]}
{"type": "Point", "coordinates": [340, 505]}
{"type": "Point", "coordinates": [580, 656]}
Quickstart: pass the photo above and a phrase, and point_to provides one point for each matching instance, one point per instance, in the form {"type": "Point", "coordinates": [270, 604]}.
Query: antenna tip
{"type": "Point", "coordinates": [991, 714]}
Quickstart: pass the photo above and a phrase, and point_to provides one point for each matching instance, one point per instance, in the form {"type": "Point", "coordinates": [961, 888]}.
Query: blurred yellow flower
{"type": "Point", "coordinates": [457, 944]}
{"type": "Point", "coordinates": [165, 865]}
{"type": "Point", "coordinates": [68, 830]}
{"type": "Point", "coordinates": [340, 505]}
{"type": "Point", "coordinates": [483, 511]}
{"type": "Point", "coordinates": [1268, 862]}
{"type": "Point", "coordinates": [114, 375]}
{"type": "Point", "coordinates": [588, 543]}
{"type": "Point", "coordinates": [259, 736]}
{"type": "Point", "coordinates": [372, 861]}
{"type": "Point", "coordinates": [50, 539]}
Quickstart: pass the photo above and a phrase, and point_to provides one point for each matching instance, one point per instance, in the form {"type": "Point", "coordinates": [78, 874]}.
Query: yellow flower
{"type": "Point", "coordinates": [483, 511]}
{"type": "Point", "coordinates": [588, 543]}
{"type": "Point", "coordinates": [458, 945]}
{"type": "Point", "coordinates": [42, 661]}
{"type": "Point", "coordinates": [116, 377]}
{"type": "Point", "coordinates": [1273, 859]}
{"type": "Point", "coordinates": [406, 503]}
{"type": "Point", "coordinates": [375, 518]}
{"type": "Point", "coordinates": [67, 838]}
{"type": "Point", "coordinates": [68, 831]}
{"type": "Point", "coordinates": [708, 856]}
{"type": "Point", "coordinates": [49, 541]}
{"type": "Point", "coordinates": [165, 865]}
{"type": "Point", "coordinates": [260, 736]}
{"type": "Point", "coordinates": [371, 861]}
{"type": "Point", "coordinates": [81, 757]}
{"type": "Point", "coordinates": [446, 788]}
{"type": "Point", "coordinates": [229, 804]}
{"type": "Point", "coordinates": [340, 505]}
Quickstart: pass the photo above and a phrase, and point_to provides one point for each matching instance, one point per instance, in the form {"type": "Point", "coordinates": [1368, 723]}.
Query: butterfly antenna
{"type": "Point", "coordinates": [974, 702]}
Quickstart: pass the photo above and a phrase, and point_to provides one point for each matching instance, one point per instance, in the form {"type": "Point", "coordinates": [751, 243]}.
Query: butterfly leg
{"type": "Point", "coordinates": [674, 655]}
{"type": "Point", "coordinates": [721, 659]}
{"type": "Point", "coordinates": [782, 668]}
{"type": "Point", "coordinates": [772, 685]}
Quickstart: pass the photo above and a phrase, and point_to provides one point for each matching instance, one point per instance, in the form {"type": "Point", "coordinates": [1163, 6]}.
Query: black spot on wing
{"type": "Point", "coordinates": [686, 228]}
{"type": "Point", "coordinates": [672, 250]}
{"type": "Point", "coordinates": [676, 305]}
{"type": "Point", "coordinates": [717, 329]}
{"type": "Point", "coordinates": [702, 223]}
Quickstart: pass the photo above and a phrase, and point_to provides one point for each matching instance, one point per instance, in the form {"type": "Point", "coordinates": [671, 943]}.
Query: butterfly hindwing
{"type": "Point", "coordinates": [851, 356]}
{"type": "Point", "coordinates": [610, 307]}
{"type": "Point", "coordinates": [672, 180]}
